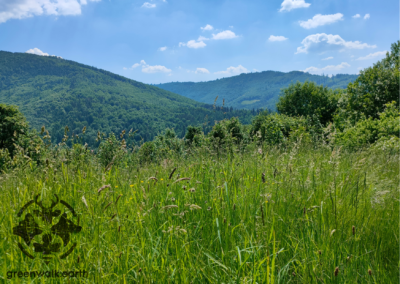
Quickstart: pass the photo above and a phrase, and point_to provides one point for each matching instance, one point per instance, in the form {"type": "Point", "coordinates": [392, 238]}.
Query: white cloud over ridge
{"type": "Point", "coordinates": [224, 35]}
{"type": "Point", "coordinates": [202, 71]}
{"type": "Point", "coordinates": [148, 5]}
{"type": "Point", "coordinates": [207, 28]}
{"type": "Point", "coordinates": [20, 9]}
{"type": "Point", "coordinates": [315, 70]}
{"type": "Point", "coordinates": [276, 38]}
{"type": "Point", "coordinates": [233, 70]}
{"type": "Point", "coordinates": [288, 5]}
{"type": "Point", "coordinates": [36, 51]}
{"type": "Point", "coordinates": [150, 69]}
{"type": "Point", "coordinates": [324, 41]}
{"type": "Point", "coordinates": [321, 20]}
{"type": "Point", "coordinates": [373, 55]}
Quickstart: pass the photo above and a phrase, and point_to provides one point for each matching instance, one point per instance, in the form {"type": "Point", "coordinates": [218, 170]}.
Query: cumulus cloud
{"type": "Point", "coordinates": [20, 9]}
{"type": "Point", "coordinates": [164, 48]}
{"type": "Point", "coordinates": [321, 20]}
{"type": "Point", "coordinates": [233, 70]}
{"type": "Point", "coordinates": [182, 44]}
{"type": "Point", "coordinates": [224, 35]}
{"type": "Point", "coordinates": [356, 16]}
{"type": "Point", "coordinates": [328, 58]}
{"type": "Point", "coordinates": [148, 5]}
{"type": "Point", "coordinates": [195, 44]}
{"type": "Point", "coordinates": [202, 71]}
{"type": "Point", "coordinates": [276, 38]}
{"type": "Point", "coordinates": [373, 55]}
{"type": "Point", "coordinates": [288, 5]}
{"type": "Point", "coordinates": [367, 16]}
{"type": "Point", "coordinates": [36, 51]}
{"type": "Point", "coordinates": [202, 38]}
{"type": "Point", "coordinates": [315, 70]}
{"type": "Point", "coordinates": [323, 41]}
{"type": "Point", "coordinates": [146, 68]}
{"type": "Point", "coordinates": [207, 28]}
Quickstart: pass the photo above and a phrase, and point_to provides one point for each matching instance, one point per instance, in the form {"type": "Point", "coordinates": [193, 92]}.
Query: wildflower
{"type": "Point", "coordinates": [141, 181]}
{"type": "Point", "coordinates": [116, 186]}
{"type": "Point", "coordinates": [132, 185]}
{"type": "Point", "coordinates": [130, 198]}
{"type": "Point", "coordinates": [266, 201]}
{"type": "Point", "coordinates": [162, 179]}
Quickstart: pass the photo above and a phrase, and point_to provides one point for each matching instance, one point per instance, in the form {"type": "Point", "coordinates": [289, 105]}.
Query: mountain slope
{"type": "Point", "coordinates": [57, 93]}
{"type": "Point", "coordinates": [251, 90]}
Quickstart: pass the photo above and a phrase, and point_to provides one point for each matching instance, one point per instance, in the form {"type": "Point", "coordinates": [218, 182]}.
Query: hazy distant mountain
{"type": "Point", "coordinates": [54, 92]}
{"type": "Point", "coordinates": [251, 90]}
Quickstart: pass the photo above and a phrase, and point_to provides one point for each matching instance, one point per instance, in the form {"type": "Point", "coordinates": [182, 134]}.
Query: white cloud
{"type": "Point", "coordinates": [277, 38]}
{"type": "Point", "coordinates": [164, 48]}
{"type": "Point", "coordinates": [148, 5]}
{"type": "Point", "coordinates": [356, 16]}
{"type": "Point", "coordinates": [316, 70]}
{"type": "Point", "coordinates": [207, 28]}
{"type": "Point", "coordinates": [224, 35]}
{"type": "Point", "coordinates": [231, 27]}
{"type": "Point", "coordinates": [367, 16]}
{"type": "Point", "coordinates": [155, 69]}
{"type": "Point", "coordinates": [323, 41]}
{"type": "Point", "coordinates": [20, 9]}
{"type": "Point", "coordinates": [202, 38]}
{"type": "Point", "coordinates": [150, 69]}
{"type": "Point", "coordinates": [373, 55]}
{"type": "Point", "coordinates": [202, 71]}
{"type": "Point", "coordinates": [321, 20]}
{"type": "Point", "coordinates": [328, 58]}
{"type": "Point", "coordinates": [195, 44]}
{"type": "Point", "coordinates": [36, 51]}
{"type": "Point", "coordinates": [233, 70]}
{"type": "Point", "coordinates": [288, 5]}
{"type": "Point", "coordinates": [182, 44]}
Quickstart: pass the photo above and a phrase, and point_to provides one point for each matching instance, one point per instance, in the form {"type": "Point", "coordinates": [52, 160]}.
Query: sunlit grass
{"type": "Point", "coordinates": [317, 211]}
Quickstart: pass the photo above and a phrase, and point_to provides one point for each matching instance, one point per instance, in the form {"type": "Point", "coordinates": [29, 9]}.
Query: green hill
{"type": "Point", "coordinates": [56, 93]}
{"type": "Point", "coordinates": [251, 90]}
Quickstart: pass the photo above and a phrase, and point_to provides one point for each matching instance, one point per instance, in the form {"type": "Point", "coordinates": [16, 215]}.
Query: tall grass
{"type": "Point", "coordinates": [321, 216]}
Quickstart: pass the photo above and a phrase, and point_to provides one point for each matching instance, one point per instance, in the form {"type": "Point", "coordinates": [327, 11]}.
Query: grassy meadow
{"type": "Point", "coordinates": [263, 214]}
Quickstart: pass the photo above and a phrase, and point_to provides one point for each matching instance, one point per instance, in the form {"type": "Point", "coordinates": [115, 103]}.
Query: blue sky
{"type": "Point", "coordinates": [156, 41]}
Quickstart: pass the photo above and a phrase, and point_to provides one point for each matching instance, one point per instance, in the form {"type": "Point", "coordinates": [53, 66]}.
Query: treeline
{"type": "Point", "coordinates": [365, 114]}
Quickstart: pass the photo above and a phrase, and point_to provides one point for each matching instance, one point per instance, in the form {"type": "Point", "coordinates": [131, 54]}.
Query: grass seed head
{"type": "Point", "coordinates": [354, 230]}
{"type": "Point", "coordinates": [336, 271]}
{"type": "Point", "coordinates": [369, 272]}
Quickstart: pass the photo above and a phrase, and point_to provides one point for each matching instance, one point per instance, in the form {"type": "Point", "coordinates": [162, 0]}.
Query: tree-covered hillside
{"type": "Point", "coordinates": [252, 90]}
{"type": "Point", "coordinates": [56, 93]}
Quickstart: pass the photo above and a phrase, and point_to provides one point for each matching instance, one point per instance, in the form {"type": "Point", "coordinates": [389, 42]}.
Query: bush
{"type": "Point", "coordinates": [110, 150]}
{"type": "Point", "coordinates": [307, 99]}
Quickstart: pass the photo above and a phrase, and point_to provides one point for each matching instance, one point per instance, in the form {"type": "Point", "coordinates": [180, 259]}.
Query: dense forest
{"type": "Point", "coordinates": [252, 90]}
{"type": "Point", "coordinates": [56, 93]}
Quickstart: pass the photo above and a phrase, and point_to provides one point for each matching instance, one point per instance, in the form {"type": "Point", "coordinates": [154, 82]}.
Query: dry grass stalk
{"type": "Point", "coordinates": [181, 179]}
{"type": "Point", "coordinates": [153, 178]}
{"type": "Point", "coordinates": [103, 187]}
{"type": "Point", "coordinates": [172, 173]}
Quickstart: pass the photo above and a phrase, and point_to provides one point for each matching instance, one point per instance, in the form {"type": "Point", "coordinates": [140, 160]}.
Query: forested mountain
{"type": "Point", "coordinates": [251, 90]}
{"type": "Point", "coordinates": [54, 92]}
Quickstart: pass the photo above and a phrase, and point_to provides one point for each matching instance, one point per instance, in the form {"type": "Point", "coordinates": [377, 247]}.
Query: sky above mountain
{"type": "Point", "coordinates": [156, 41]}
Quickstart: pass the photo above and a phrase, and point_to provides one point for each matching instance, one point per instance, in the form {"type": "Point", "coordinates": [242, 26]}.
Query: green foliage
{"type": "Point", "coordinates": [251, 91]}
{"type": "Point", "coordinates": [57, 93]}
{"type": "Point", "coordinates": [193, 135]}
{"type": "Point", "coordinates": [147, 152]}
{"type": "Point", "coordinates": [375, 87]}
{"type": "Point", "coordinates": [227, 130]}
{"type": "Point", "coordinates": [371, 130]}
{"type": "Point", "coordinates": [309, 100]}
{"type": "Point", "coordinates": [110, 150]}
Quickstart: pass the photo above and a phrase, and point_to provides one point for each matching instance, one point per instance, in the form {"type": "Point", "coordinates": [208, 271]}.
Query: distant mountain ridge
{"type": "Point", "coordinates": [251, 90]}
{"type": "Point", "coordinates": [56, 93]}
